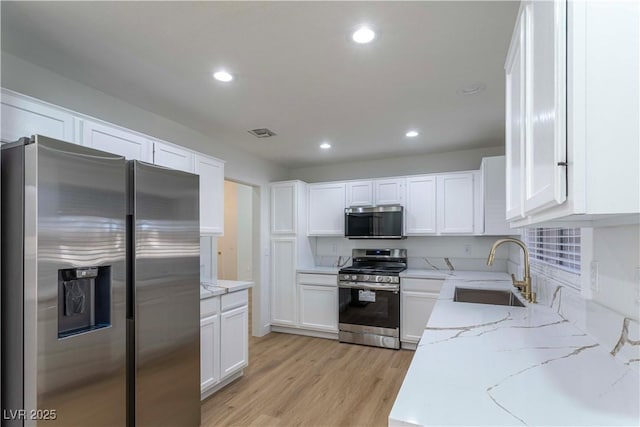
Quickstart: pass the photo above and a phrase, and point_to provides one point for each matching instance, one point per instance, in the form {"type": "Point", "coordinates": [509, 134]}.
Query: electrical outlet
{"type": "Point", "coordinates": [595, 284]}
{"type": "Point", "coordinates": [467, 249]}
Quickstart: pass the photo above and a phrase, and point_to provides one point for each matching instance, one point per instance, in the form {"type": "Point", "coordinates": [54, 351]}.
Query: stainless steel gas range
{"type": "Point", "coordinates": [369, 301]}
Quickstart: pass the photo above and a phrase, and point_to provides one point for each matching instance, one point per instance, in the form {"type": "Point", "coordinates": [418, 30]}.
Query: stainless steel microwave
{"type": "Point", "coordinates": [374, 222]}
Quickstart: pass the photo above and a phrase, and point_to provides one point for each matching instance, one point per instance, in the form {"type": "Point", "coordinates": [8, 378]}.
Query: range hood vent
{"type": "Point", "coordinates": [262, 133]}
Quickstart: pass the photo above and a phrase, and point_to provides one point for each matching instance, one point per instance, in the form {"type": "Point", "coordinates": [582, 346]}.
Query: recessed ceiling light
{"type": "Point", "coordinates": [363, 35]}
{"type": "Point", "coordinates": [222, 76]}
{"type": "Point", "coordinates": [472, 89]}
{"type": "Point", "coordinates": [325, 145]}
{"type": "Point", "coordinates": [412, 134]}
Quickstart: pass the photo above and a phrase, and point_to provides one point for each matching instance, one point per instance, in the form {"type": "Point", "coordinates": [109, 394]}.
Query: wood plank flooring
{"type": "Point", "coordinates": [294, 380]}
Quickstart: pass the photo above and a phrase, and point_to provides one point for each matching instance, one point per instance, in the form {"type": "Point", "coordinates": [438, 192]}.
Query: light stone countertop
{"type": "Point", "coordinates": [208, 290]}
{"type": "Point", "coordinates": [319, 270]}
{"type": "Point", "coordinates": [479, 364]}
{"type": "Point", "coordinates": [415, 273]}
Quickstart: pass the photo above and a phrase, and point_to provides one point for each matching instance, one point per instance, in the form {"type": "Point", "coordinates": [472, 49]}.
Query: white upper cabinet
{"type": "Point", "coordinates": [359, 193]}
{"type": "Point", "coordinates": [284, 207]}
{"type": "Point", "coordinates": [326, 209]}
{"type": "Point", "coordinates": [420, 212]}
{"type": "Point", "coordinates": [545, 104]}
{"type": "Point", "coordinates": [493, 191]}
{"type": "Point", "coordinates": [117, 141]}
{"type": "Point", "coordinates": [455, 201]}
{"type": "Point", "coordinates": [515, 120]}
{"type": "Point", "coordinates": [24, 117]}
{"type": "Point", "coordinates": [573, 126]}
{"type": "Point", "coordinates": [388, 191]}
{"type": "Point", "coordinates": [211, 172]}
{"type": "Point", "coordinates": [174, 157]}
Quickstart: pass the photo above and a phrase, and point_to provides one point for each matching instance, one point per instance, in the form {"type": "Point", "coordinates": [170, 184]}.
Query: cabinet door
{"type": "Point", "coordinates": [455, 203]}
{"type": "Point", "coordinates": [515, 120]}
{"type": "Point", "coordinates": [416, 308]}
{"type": "Point", "coordinates": [388, 191]}
{"type": "Point", "coordinates": [113, 140]}
{"type": "Point", "coordinates": [326, 209]}
{"type": "Point", "coordinates": [318, 307]}
{"type": "Point", "coordinates": [284, 208]}
{"type": "Point", "coordinates": [234, 340]}
{"type": "Point", "coordinates": [420, 206]}
{"type": "Point", "coordinates": [283, 282]}
{"type": "Point", "coordinates": [173, 157]}
{"type": "Point", "coordinates": [211, 172]}
{"type": "Point", "coordinates": [22, 117]}
{"type": "Point", "coordinates": [546, 144]}
{"type": "Point", "coordinates": [360, 193]}
{"type": "Point", "coordinates": [209, 351]}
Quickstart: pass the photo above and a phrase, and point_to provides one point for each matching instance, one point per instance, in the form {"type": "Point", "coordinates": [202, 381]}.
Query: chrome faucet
{"type": "Point", "coordinates": [523, 285]}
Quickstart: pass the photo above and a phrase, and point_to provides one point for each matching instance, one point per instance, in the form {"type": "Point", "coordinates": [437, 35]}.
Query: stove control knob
{"type": "Point", "coordinates": [354, 277]}
{"type": "Point", "coordinates": [379, 279]}
{"type": "Point", "coordinates": [387, 279]}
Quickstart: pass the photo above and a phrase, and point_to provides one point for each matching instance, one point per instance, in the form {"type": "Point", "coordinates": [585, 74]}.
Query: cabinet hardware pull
{"type": "Point", "coordinates": [563, 164]}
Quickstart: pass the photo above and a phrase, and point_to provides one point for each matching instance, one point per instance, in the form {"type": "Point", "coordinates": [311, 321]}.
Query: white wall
{"type": "Point", "coordinates": [29, 79]}
{"type": "Point", "coordinates": [244, 232]}
{"type": "Point", "coordinates": [617, 252]}
{"type": "Point", "coordinates": [397, 166]}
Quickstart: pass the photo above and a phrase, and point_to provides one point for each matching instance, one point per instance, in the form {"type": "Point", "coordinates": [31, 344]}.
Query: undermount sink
{"type": "Point", "coordinates": [486, 296]}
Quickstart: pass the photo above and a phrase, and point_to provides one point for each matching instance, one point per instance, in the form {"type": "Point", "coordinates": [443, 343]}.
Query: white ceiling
{"type": "Point", "coordinates": [297, 72]}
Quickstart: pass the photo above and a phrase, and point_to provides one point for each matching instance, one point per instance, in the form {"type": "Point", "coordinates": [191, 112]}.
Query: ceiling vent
{"type": "Point", "coordinates": [262, 133]}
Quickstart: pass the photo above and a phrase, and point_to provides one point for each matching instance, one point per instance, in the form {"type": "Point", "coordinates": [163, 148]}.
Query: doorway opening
{"type": "Point", "coordinates": [236, 248]}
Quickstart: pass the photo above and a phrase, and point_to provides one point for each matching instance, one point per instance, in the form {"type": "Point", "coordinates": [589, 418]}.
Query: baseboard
{"type": "Point", "coordinates": [408, 345]}
{"type": "Point", "coordinates": [208, 392]}
{"type": "Point", "coordinates": [305, 332]}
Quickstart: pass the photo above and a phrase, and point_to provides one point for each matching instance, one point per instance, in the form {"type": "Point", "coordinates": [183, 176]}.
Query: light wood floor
{"type": "Point", "coordinates": [294, 380]}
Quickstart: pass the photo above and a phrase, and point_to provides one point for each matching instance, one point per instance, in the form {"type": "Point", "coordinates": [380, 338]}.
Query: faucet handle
{"type": "Point", "coordinates": [513, 278]}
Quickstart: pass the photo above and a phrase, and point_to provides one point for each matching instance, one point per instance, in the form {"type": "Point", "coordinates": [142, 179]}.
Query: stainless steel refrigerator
{"type": "Point", "coordinates": [100, 289]}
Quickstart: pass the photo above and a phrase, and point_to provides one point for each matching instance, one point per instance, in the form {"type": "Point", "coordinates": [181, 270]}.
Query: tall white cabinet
{"type": "Point", "coordinates": [573, 113]}
{"type": "Point", "coordinates": [290, 248]}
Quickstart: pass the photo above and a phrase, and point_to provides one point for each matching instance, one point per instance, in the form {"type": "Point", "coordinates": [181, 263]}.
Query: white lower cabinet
{"type": "Point", "coordinates": [318, 307]}
{"type": "Point", "coordinates": [417, 299]}
{"type": "Point", "coordinates": [234, 344]}
{"type": "Point", "coordinates": [209, 352]}
{"type": "Point", "coordinates": [283, 285]}
{"type": "Point", "coordinates": [224, 340]}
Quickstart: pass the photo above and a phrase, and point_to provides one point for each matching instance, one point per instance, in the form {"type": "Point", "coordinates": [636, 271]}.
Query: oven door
{"type": "Point", "coordinates": [369, 304]}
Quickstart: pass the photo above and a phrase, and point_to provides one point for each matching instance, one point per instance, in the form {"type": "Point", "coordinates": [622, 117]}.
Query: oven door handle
{"type": "Point", "coordinates": [369, 286]}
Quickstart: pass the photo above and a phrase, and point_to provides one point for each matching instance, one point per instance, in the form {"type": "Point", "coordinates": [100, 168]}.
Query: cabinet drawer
{"type": "Point", "coordinates": [235, 299]}
{"type": "Point", "coordinates": [318, 279]}
{"type": "Point", "coordinates": [209, 306]}
{"type": "Point", "coordinates": [421, 285]}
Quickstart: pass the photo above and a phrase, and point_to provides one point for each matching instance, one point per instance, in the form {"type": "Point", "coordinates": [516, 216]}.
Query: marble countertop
{"type": "Point", "coordinates": [480, 364]}
{"type": "Point", "coordinates": [319, 270]}
{"type": "Point", "coordinates": [208, 290]}
{"type": "Point", "coordinates": [415, 273]}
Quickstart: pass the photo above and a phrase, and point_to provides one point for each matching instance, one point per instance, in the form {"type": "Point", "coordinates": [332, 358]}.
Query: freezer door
{"type": "Point", "coordinates": [71, 217]}
{"type": "Point", "coordinates": [166, 291]}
